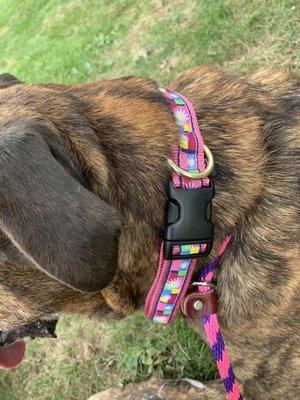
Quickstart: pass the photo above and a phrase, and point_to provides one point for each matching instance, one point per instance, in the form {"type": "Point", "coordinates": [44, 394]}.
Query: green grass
{"type": "Point", "coordinates": [88, 357]}
{"type": "Point", "coordinates": [80, 40]}
{"type": "Point", "coordinates": [86, 40]}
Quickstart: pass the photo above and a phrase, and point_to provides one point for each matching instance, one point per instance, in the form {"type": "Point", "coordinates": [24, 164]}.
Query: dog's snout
{"type": "Point", "coordinates": [34, 329]}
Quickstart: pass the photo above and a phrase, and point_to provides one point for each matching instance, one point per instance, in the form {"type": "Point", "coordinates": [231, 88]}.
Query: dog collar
{"type": "Point", "coordinates": [188, 236]}
{"type": "Point", "coordinates": [189, 229]}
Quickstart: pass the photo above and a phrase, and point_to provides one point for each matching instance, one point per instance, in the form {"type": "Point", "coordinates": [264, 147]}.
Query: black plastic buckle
{"type": "Point", "coordinates": [188, 220]}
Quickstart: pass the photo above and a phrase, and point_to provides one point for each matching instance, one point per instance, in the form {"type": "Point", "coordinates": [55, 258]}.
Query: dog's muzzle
{"type": "Point", "coordinates": [12, 347]}
{"type": "Point", "coordinates": [37, 328]}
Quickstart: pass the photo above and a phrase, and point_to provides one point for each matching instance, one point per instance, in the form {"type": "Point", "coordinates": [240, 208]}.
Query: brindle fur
{"type": "Point", "coordinates": [115, 136]}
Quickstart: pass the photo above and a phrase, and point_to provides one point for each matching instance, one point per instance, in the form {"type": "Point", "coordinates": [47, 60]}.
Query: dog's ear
{"type": "Point", "coordinates": [7, 80]}
{"type": "Point", "coordinates": [54, 221]}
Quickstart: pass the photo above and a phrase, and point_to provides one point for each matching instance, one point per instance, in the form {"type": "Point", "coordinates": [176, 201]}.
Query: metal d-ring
{"type": "Point", "coordinates": [195, 175]}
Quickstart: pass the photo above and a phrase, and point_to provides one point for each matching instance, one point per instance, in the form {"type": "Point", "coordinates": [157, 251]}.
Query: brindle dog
{"type": "Point", "coordinates": [83, 176]}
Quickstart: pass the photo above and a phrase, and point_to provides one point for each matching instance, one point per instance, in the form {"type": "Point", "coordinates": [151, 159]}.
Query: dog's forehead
{"type": "Point", "coordinates": [16, 93]}
{"type": "Point", "coordinates": [18, 103]}
{"type": "Point", "coordinates": [24, 101]}
{"type": "Point", "coordinates": [45, 109]}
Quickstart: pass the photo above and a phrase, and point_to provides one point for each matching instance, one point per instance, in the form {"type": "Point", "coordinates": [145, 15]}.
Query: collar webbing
{"type": "Point", "coordinates": [173, 275]}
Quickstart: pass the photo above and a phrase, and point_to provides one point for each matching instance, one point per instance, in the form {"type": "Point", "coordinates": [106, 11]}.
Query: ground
{"type": "Point", "coordinates": [87, 40]}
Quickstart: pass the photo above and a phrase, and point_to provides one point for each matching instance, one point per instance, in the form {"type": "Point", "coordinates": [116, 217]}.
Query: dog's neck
{"type": "Point", "coordinates": [133, 130]}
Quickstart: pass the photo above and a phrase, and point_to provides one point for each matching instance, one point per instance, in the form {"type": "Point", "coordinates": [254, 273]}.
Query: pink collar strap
{"type": "Point", "coordinates": [189, 230]}
{"type": "Point", "coordinates": [188, 236]}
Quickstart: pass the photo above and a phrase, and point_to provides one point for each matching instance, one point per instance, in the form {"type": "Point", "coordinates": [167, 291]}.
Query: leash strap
{"type": "Point", "coordinates": [174, 275]}
{"type": "Point", "coordinates": [213, 332]}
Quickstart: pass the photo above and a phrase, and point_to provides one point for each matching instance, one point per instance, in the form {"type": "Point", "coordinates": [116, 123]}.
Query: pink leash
{"type": "Point", "coordinates": [178, 258]}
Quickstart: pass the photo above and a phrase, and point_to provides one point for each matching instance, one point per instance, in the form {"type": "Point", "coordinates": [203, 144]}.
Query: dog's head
{"type": "Point", "coordinates": [58, 240]}
{"type": "Point", "coordinates": [81, 200]}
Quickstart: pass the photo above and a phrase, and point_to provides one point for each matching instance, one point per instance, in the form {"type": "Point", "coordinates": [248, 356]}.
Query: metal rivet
{"type": "Point", "coordinates": [198, 305]}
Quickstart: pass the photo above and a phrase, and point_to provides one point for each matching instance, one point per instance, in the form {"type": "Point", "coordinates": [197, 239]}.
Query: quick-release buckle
{"type": "Point", "coordinates": [188, 220]}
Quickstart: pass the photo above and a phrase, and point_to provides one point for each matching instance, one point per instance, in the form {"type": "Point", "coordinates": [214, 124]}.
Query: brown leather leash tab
{"type": "Point", "coordinates": [198, 304]}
